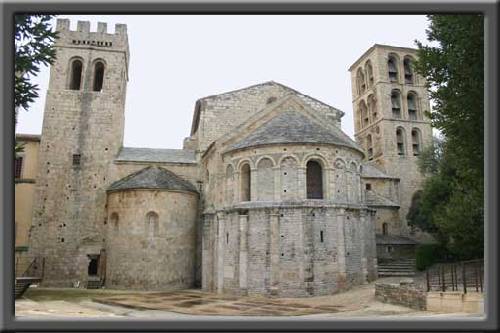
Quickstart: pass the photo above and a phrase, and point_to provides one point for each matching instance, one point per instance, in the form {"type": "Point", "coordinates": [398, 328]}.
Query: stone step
{"type": "Point", "coordinates": [395, 270]}
{"type": "Point", "coordinates": [92, 284]}
{"type": "Point", "coordinates": [381, 274]}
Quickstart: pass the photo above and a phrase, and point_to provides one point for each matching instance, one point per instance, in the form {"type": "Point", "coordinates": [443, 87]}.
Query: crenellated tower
{"type": "Point", "coordinates": [391, 123]}
{"type": "Point", "coordinates": [82, 133]}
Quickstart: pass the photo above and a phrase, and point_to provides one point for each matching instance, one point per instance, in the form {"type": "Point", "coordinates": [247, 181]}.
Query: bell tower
{"type": "Point", "coordinates": [82, 133]}
{"type": "Point", "coordinates": [391, 105]}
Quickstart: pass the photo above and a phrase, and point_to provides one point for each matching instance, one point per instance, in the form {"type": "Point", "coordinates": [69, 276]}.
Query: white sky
{"type": "Point", "coordinates": [174, 60]}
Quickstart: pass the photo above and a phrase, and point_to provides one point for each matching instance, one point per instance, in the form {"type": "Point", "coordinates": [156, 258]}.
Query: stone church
{"type": "Point", "coordinates": [267, 196]}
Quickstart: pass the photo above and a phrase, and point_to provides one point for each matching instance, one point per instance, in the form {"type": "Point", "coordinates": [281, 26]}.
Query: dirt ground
{"type": "Point", "coordinates": [62, 303]}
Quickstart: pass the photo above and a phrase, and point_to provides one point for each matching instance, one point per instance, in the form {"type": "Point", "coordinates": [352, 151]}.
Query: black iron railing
{"type": "Point", "coordinates": [457, 276]}
{"type": "Point", "coordinates": [30, 267]}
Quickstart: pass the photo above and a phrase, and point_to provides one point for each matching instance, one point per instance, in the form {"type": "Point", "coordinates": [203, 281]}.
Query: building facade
{"type": "Point", "coordinates": [268, 196]}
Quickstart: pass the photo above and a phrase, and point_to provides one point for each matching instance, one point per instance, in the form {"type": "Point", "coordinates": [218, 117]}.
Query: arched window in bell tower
{"type": "Point", "coordinates": [75, 74]}
{"type": "Point", "coordinates": [98, 76]}
{"type": "Point", "coordinates": [392, 65]}
{"type": "Point", "coordinates": [360, 81]}
{"type": "Point", "coordinates": [396, 104]}
{"type": "Point", "coordinates": [369, 146]}
{"type": "Point", "coordinates": [408, 70]}
{"type": "Point", "coordinates": [400, 141]}
{"type": "Point", "coordinates": [369, 73]}
{"type": "Point", "coordinates": [412, 106]}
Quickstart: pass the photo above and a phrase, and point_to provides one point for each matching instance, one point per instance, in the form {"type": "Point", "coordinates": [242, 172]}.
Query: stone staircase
{"type": "Point", "coordinates": [94, 282]}
{"type": "Point", "coordinates": [400, 267]}
{"type": "Point", "coordinates": [23, 283]}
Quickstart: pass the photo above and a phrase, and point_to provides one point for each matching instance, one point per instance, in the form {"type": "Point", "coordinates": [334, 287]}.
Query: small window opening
{"type": "Point", "coordinates": [368, 187]}
{"type": "Point", "coordinates": [76, 159]}
{"type": "Point", "coordinates": [369, 146]}
{"type": "Point", "coordinates": [400, 142]}
{"type": "Point", "coordinates": [114, 220]}
{"type": "Point", "coordinates": [385, 229]}
{"type": "Point", "coordinates": [18, 167]}
{"type": "Point", "coordinates": [76, 75]}
{"type": "Point", "coordinates": [227, 237]}
{"type": "Point", "coordinates": [321, 235]}
{"type": "Point", "coordinates": [270, 100]}
{"type": "Point", "coordinates": [389, 249]}
{"type": "Point", "coordinates": [152, 225]}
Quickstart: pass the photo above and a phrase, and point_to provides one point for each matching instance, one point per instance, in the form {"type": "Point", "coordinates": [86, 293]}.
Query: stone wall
{"type": "Point", "coordinates": [287, 250]}
{"type": "Point", "coordinates": [220, 114]}
{"type": "Point", "coordinates": [139, 257]}
{"type": "Point", "coordinates": [404, 294]}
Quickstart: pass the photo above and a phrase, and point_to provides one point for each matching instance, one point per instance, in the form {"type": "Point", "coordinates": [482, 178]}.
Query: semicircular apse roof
{"type": "Point", "coordinates": [152, 177]}
{"type": "Point", "coordinates": [292, 127]}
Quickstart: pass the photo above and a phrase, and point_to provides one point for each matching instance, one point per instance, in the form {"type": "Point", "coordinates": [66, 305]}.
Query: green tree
{"type": "Point", "coordinates": [451, 202]}
{"type": "Point", "coordinates": [34, 41]}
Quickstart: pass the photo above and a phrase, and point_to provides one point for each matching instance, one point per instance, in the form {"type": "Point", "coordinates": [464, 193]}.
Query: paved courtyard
{"type": "Point", "coordinates": [57, 303]}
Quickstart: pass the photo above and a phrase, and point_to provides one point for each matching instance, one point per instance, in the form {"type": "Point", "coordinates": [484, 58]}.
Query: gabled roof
{"type": "Point", "coordinates": [307, 99]}
{"type": "Point", "coordinates": [371, 171]}
{"type": "Point", "coordinates": [375, 200]}
{"type": "Point", "coordinates": [152, 178]}
{"type": "Point", "coordinates": [292, 127]}
{"type": "Point", "coordinates": [129, 154]}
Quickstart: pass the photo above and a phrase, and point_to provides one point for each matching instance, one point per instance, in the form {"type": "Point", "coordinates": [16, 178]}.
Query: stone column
{"type": "Point", "coordinates": [301, 175]}
{"type": "Point", "coordinates": [253, 184]}
{"type": "Point", "coordinates": [326, 184]}
{"type": "Point", "coordinates": [341, 250]}
{"type": "Point", "coordinates": [243, 278]}
{"type": "Point", "coordinates": [236, 187]}
{"type": "Point", "coordinates": [220, 252]}
{"type": "Point", "coordinates": [277, 183]}
{"type": "Point", "coordinates": [274, 230]}
{"type": "Point", "coordinates": [363, 245]}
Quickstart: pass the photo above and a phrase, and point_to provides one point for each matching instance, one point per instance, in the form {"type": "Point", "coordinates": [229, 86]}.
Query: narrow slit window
{"type": "Point", "coordinates": [369, 146]}
{"type": "Point", "coordinates": [77, 159]}
{"type": "Point", "coordinates": [18, 168]}
{"type": "Point", "coordinates": [415, 138]}
{"type": "Point", "coordinates": [321, 236]}
{"type": "Point", "coordinates": [400, 141]}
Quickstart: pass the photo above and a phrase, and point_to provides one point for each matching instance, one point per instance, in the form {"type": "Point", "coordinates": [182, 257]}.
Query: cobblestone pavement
{"type": "Point", "coordinates": [357, 302]}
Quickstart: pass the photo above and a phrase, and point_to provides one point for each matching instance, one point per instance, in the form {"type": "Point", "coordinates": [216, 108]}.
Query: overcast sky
{"type": "Point", "coordinates": [174, 60]}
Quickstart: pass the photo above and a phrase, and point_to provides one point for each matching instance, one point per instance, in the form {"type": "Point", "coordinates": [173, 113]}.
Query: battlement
{"type": "Point", "coordinates": [82, 36]}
